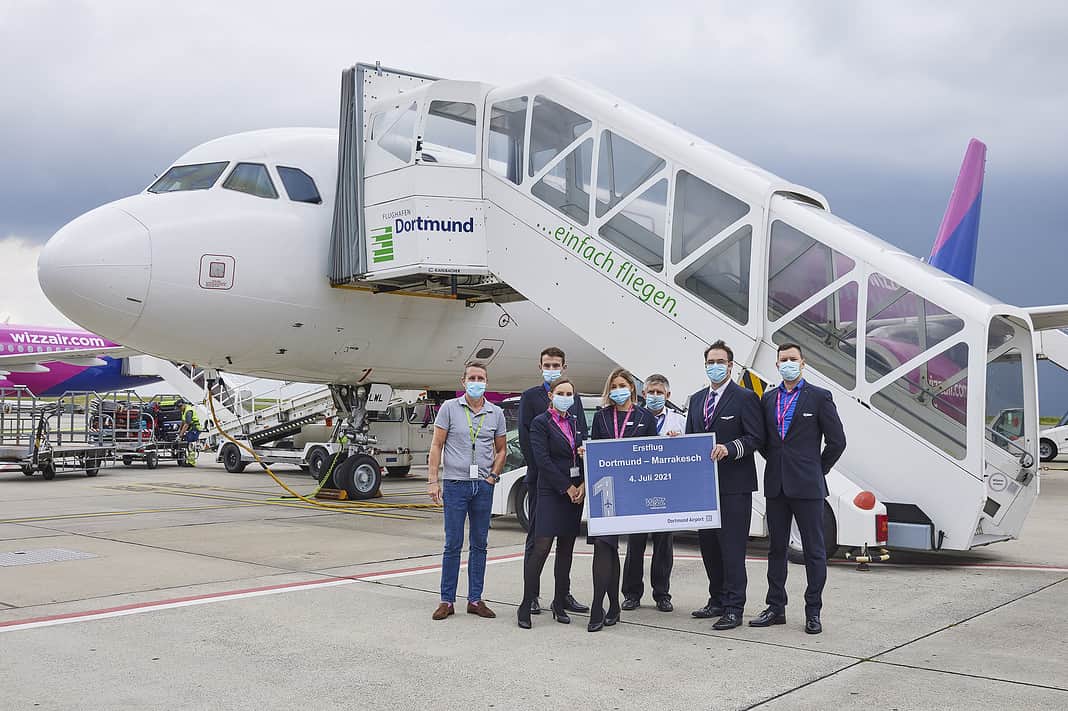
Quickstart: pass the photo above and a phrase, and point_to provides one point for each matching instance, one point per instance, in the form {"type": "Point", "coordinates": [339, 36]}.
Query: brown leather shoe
{"type": "Point", "coordinates": [479, 608]}
{"type": "Point", "coordinates": [444, 610]}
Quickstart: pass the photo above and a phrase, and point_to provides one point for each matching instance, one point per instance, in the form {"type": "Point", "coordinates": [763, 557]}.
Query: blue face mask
{"type": "Point", "coordinates": [475, 390]}
{"type": "Point", "coordinates": [790, 370]}
{"type": "Point", "coordinates": [563, 403]}
{"type": "Point", "coordinates": [550, 376]}
{"type": "Point", "coordinates": [655, 402]}
{"type": "Point", "coordinates": [717, 372]}
{"type": "Point", "coordinates": [619, 395]}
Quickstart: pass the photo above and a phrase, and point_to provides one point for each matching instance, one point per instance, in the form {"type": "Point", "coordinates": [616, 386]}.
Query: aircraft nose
{"type": "Point", "coordinates": [96, 270]}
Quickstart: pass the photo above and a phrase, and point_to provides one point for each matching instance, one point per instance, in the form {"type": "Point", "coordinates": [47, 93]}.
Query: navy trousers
{"type": "Point", "coordinates": [659, 570]}
{"type": "Point", "coordinates": [723, 552]}
{"type": "Point", "coordinates": [809, 516]}
{"type": "Point", "coordinates": [532, 498]}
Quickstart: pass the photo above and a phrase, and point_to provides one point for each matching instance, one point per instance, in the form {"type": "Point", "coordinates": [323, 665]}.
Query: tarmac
{"type": "Point", "coordinates": [181, 588]}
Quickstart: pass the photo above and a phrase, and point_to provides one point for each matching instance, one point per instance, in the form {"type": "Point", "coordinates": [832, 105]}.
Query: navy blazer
{"type": "Point", "coordinates": [533, 402]}
{"type": "Point", "coordinates": [738, 424]}
{"type": "Point", "coordinates": [795, 466]}
{"type": "Point", "coordinates": [642, 424]}
{"type": "Point", "coordinates": [553, 453]}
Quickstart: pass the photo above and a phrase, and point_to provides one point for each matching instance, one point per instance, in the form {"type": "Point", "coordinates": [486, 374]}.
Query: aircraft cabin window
{"type": "Point", "coordinates": [199, 176]}
{"type": "Point", "coordinates": [507, 129]}
{"type": "Point", "coordinates": [299, 185]}
{"type": "Point", "coordinates": [450, 135]}
{"type": "Point", "coordinates": [251, 178]}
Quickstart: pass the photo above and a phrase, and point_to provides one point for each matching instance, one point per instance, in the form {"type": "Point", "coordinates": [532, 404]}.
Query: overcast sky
{"type": "Point", "coordinates": [871, 104]}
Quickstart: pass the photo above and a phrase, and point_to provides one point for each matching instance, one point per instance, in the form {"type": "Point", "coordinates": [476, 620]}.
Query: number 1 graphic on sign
{"type": "Point", "coordinates": [606, 488]}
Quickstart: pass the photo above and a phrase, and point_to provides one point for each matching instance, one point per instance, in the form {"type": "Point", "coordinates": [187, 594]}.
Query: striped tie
{"type": "Point", "coordinates": [710, 406]}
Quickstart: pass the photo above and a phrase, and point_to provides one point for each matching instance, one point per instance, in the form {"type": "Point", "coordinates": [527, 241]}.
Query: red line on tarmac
{"type": "Point", "coordinates": [136, 607]}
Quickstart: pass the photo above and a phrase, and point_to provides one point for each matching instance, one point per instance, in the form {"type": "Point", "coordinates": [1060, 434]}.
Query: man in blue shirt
{"type": "Point", "coordinates": [801, 418]}
{"type": "Point", "coordinates": [534, 401]}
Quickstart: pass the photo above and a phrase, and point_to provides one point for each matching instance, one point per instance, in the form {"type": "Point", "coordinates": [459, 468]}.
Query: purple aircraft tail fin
{"type": "Point", "coordinates": [958, 237]}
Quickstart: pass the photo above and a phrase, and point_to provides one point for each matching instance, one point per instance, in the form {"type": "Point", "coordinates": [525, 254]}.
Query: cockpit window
{"type": "Point", "coordinates": [299, 185]}
{"type": "Point", "coordinates": [199, 176]}
{"type": "Point", "coordinates": [251, 178]}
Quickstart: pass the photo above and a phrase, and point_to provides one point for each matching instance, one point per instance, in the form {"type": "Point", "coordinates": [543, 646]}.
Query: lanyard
{"type": "Point", "coordinates": [565, 428]}
{"type": "Point", "coordinates": [782, 408]}
{"type": "Point", "coordinates": [619, 430]}
{"type": "Point", "coordinates": [473, 432]}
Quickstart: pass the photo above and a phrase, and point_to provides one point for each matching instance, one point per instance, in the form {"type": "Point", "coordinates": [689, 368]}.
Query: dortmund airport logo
{"type": "Point", "coordinates": [382, 244]}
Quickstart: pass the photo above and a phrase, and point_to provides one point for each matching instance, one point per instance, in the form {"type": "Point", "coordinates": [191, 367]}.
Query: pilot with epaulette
{"type": "Point", "coordinates": [533, 402]}
{"type": "Point", "coordinates": [734, 414]}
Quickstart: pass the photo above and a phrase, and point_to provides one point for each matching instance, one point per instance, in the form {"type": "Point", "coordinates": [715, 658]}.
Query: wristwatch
{"type": "Point", "coordinates": [496, 478]}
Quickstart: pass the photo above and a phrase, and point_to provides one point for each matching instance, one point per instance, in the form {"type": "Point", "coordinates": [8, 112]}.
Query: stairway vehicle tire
{"type": "Point", "coordinates": [398, 472]}
{"type": "Point", "coordinates": [48, 471]}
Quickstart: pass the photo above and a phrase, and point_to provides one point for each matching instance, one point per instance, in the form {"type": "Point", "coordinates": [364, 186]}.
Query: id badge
{"type": "Point", "coordinates": [473, 472]}
{"type": "Point", "coordinates": [575, 472]}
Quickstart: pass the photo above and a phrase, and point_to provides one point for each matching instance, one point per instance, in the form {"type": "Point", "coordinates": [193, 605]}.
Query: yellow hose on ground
{"type": "Point", "coordinates": [314, 502]}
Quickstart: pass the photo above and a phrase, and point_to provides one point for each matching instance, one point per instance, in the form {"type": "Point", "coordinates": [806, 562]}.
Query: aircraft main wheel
{"type": "Point", "coordinates": [830, 538]}
{"type": "Point", "coordinates": [48, 471]}
{"type": "Point", "coordinates": [152, 460]}
{"type": "Point", "coordinates": [360, 476]}
{"type": "Point", "coordinates": [1047, 451]}
{"type": "Point", "coordinates": [398, 472]}
{"type": "Point", "coordinates": [522, 504]}
{"type": "Point", "coordinates": [231, 457]}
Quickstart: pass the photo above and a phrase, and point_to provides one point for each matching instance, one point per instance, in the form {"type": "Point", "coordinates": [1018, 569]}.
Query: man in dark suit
{"type": "Point", "coordinates": [532, 403]}
{"type": "Point", "coordinates": [801, 418]}
{"type": "Point", "coordinates": [733, 414]}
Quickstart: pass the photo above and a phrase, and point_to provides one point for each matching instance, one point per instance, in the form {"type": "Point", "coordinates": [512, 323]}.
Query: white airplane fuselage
{"type": "Point", "coordinates": [139, 271]}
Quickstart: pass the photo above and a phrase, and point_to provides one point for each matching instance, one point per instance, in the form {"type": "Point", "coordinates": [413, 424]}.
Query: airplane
{"type": "Point", "coordinates": [51, 361]}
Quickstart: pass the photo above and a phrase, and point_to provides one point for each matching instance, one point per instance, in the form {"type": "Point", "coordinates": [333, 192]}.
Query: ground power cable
{"type": "Point", "coordinates": [346, 507]}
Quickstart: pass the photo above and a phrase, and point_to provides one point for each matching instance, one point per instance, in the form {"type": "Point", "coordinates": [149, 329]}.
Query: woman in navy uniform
{"type": "Point", "coordinates": [555, 438]}
{"type": "Point", "coordinates": [619, 418]}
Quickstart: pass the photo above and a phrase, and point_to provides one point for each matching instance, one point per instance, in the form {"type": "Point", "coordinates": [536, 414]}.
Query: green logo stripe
{"type": "Point", "coordinates": [382, 244]}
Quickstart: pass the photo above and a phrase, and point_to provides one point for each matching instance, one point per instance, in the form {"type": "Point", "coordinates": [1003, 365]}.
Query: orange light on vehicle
{"type": "Point", "coordinates": [864, 500]}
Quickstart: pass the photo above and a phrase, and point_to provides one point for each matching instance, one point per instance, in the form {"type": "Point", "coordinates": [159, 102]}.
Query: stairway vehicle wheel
{"type": "Point", "coordinates": [152, 460]}
{"type": "Point", "coordinates": [795, 554]}
{"type": "Point", "coordinates": [317, 459]}
{"type": "Point", "coordinates": [231, 457]}
{"type": "Point", "coordinates": [48, 471]}
{"type": "Point", "coordinates": [522, 504]}
{"type": "Point", "coordinates": [127, 460]}
{"type": "Point", "coordinates": [27, 470]}
{"type": "Point", "coordinates": [92, 466]}
{"type": "Point", "coordinates": [1047, 451]}
{"type": "Point", "coordinates": [360, 476]}
{"type": "Point", "coordinates": [398, 472]}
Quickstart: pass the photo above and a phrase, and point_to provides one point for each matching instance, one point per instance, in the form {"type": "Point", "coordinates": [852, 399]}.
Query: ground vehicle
{"type": "Point", "coordinates": [1054, 441]}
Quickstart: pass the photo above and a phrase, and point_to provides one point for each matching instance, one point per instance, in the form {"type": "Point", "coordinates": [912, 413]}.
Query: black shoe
{"type": "Point", "coordinates": [523, 616]}
{"type": "Point", "coordinates": [595, 626]}
{"type": "Point", "coordinates": [708, 611]}
{"type": "Point", "coordinates": [664, 605]}
{"type": "Point", "coordinates": [813, 625]}
{"type": "Point", "coordinates": [611, 618]}
{"type": "Point", "coordinates": [559, 614]}
{"type": "Point", "coordinates": [767, 618]}
{"type": "Point", "coordinates": [631, 603]}
{"type": "Point", "coordinates": [535, 607]}
{"type": "Point", "coordinates": [573, 605]}
{"type": "Point", "coordinates": [729, 621]}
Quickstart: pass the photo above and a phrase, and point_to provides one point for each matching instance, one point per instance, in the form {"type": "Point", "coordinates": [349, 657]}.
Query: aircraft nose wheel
{"type": "Point", "coordinates": [360, 476]}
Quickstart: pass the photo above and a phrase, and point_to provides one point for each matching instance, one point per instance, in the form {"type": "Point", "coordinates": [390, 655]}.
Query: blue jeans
{"type": "Point", "coordinates": [462, 500]}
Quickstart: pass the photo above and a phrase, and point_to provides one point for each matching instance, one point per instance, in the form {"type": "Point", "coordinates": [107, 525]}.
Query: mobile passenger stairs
{"type": "Point", "coordinates": [455, 188]}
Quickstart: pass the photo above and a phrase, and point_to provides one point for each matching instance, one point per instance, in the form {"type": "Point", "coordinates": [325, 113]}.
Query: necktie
{"type": "Point", "coordinates": [710, 406]}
